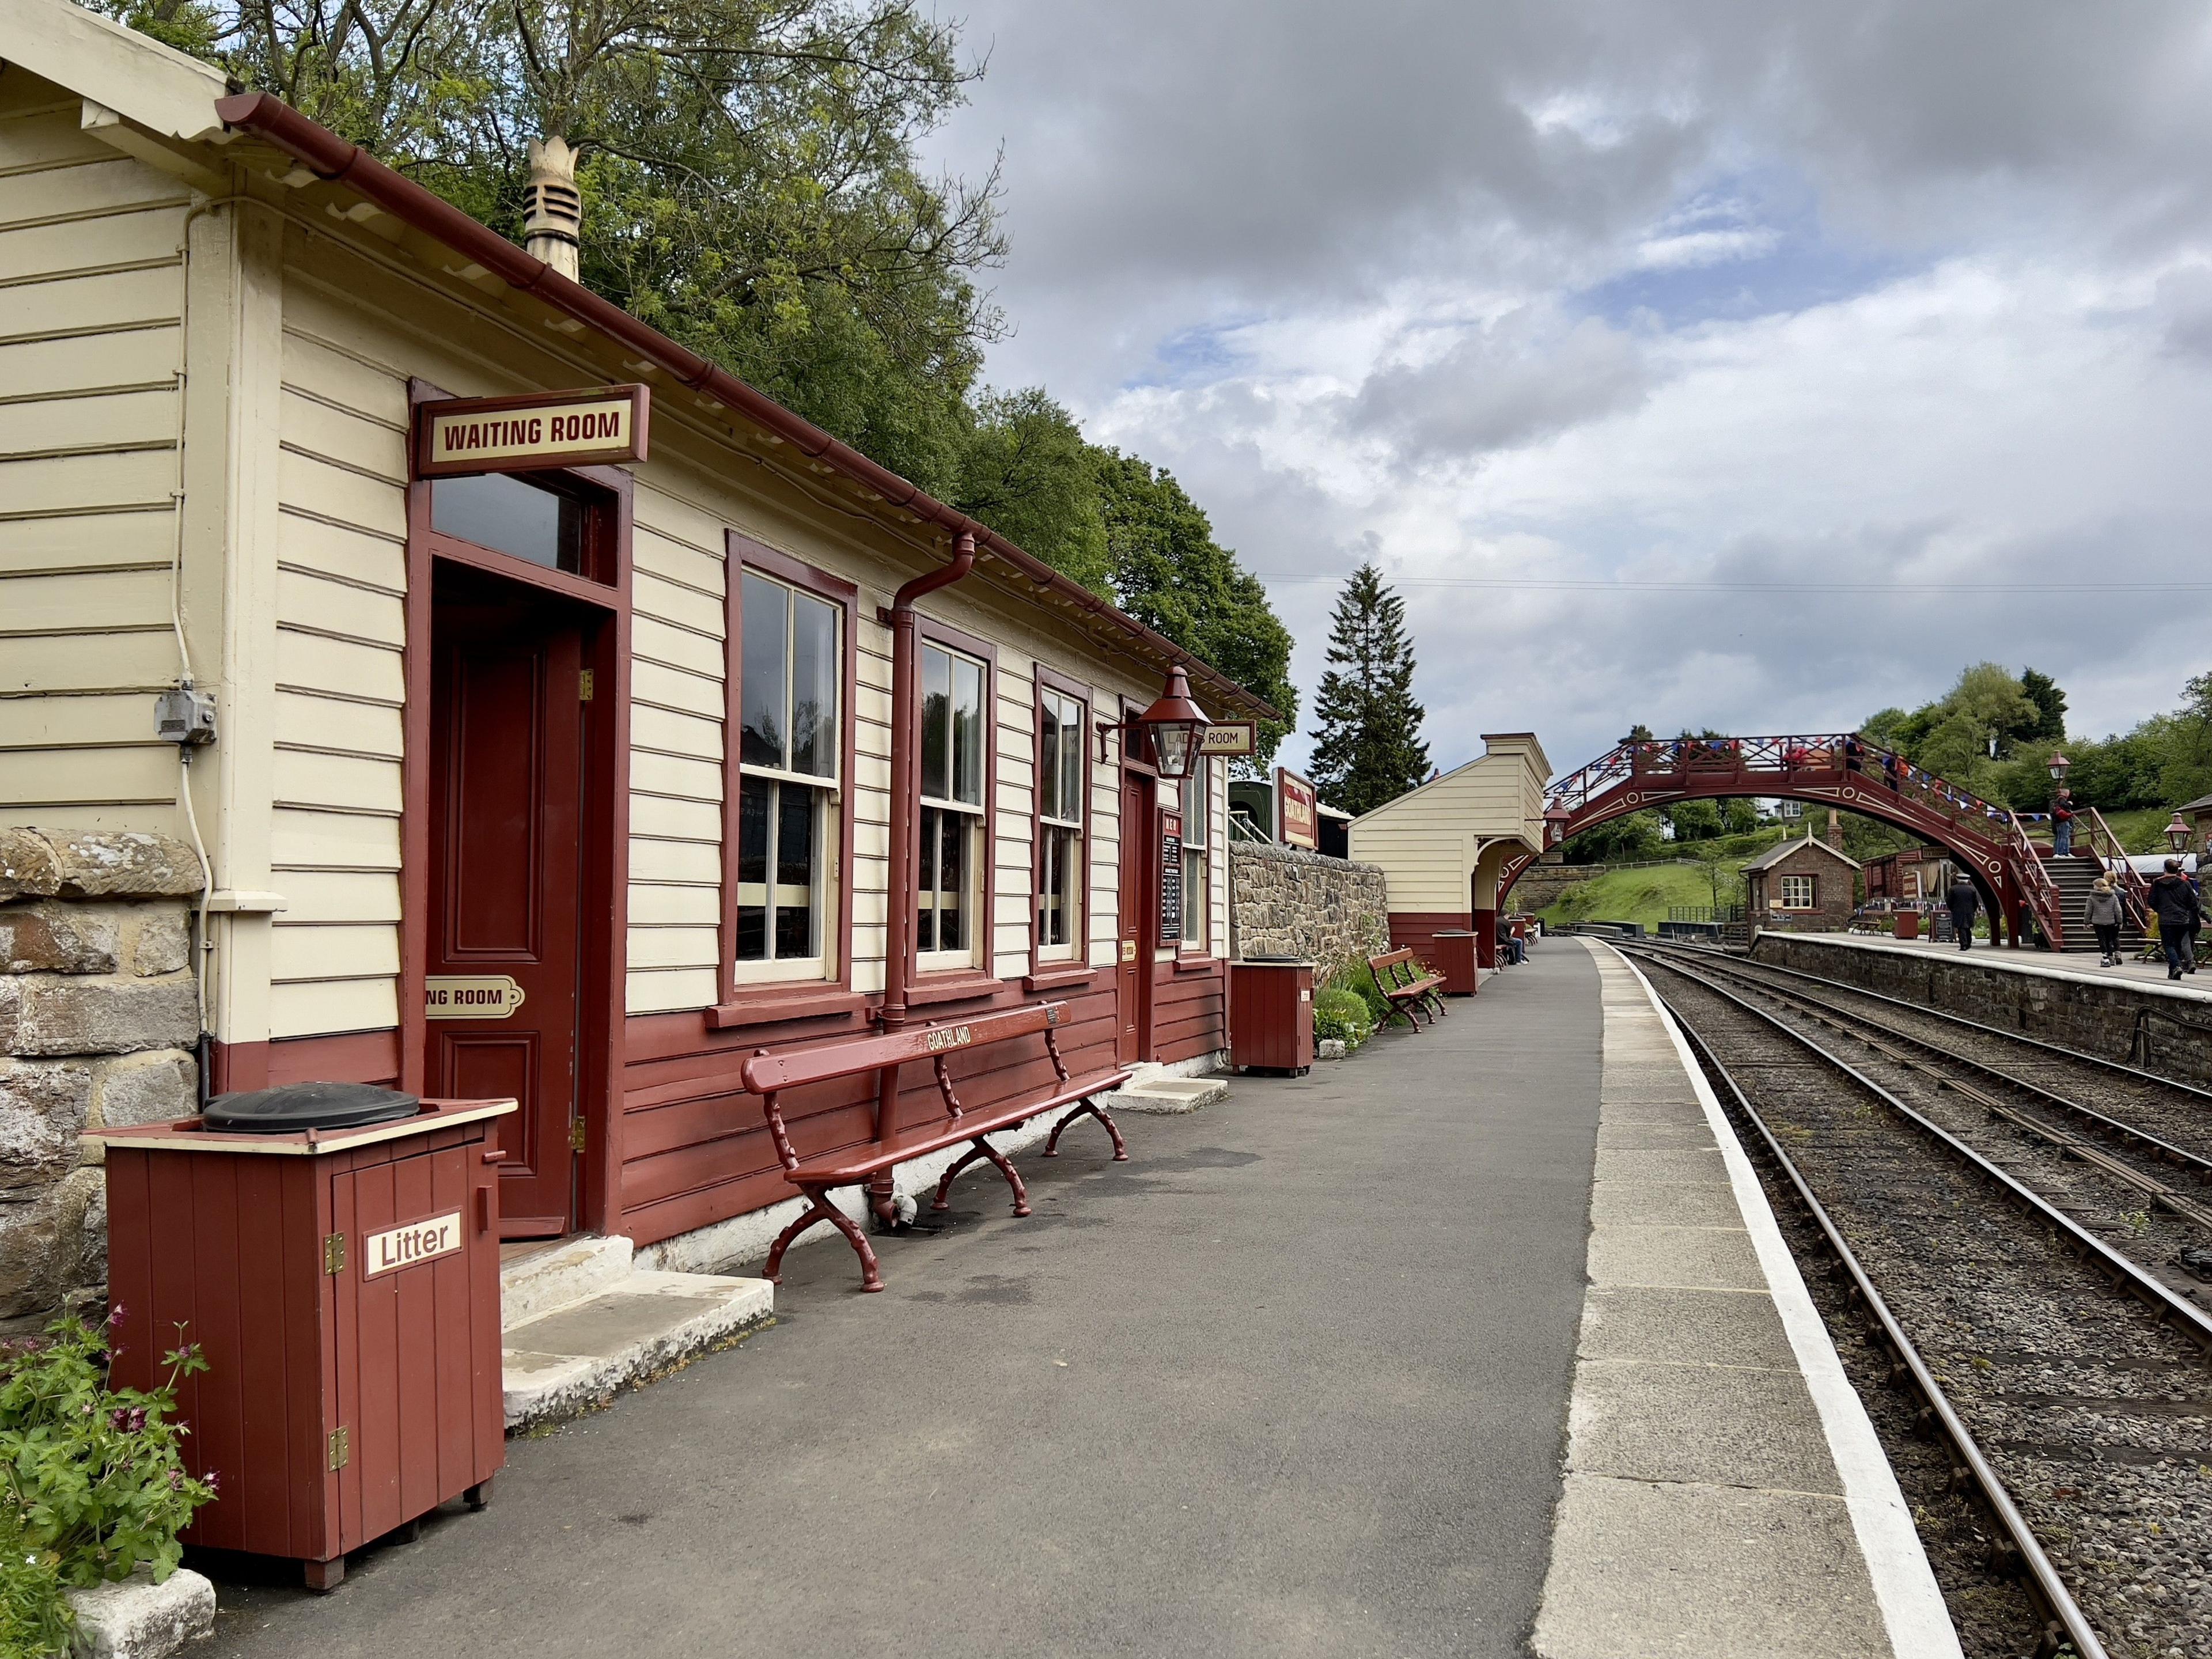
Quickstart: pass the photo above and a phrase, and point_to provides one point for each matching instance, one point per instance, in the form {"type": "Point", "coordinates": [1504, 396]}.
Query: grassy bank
{"type": "Point", "coordinates": [1644, 896]}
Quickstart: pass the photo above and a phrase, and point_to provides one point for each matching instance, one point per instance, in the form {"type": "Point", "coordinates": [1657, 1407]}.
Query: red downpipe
{"type": "Point", "coordinates": [905, 794]}
{"type": "Point", "coordinates": [906, 775]}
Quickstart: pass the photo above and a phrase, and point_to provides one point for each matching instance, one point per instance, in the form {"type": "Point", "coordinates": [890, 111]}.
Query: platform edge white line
{"type": "Point", "coordinates": [1912, 1609]}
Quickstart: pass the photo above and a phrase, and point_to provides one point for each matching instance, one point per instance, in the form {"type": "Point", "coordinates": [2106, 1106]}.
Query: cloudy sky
{"type": "Point", "coordinates": [1727, 363]}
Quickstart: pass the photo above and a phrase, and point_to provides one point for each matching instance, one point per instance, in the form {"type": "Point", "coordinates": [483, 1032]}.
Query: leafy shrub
{"type": "Point", "coordinates": [1355, 979]}
{"type": "Point", "coordinates": [1341, 1015]}
{"type": "Point", "coordinates": [92, 1477]}
{"type": "Point", "coordinates": [34, 1617]}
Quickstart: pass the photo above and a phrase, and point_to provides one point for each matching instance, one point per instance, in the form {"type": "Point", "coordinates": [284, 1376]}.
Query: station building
{"type": "Point", "coordinates": [579, 783]}
{"type": "Point", "coordinates": [1444, 846]}
{"type": "Point", "coordinates": [1802, 884]}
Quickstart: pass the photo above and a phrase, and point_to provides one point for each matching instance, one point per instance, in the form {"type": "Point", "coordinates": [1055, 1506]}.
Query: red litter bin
{"type": "Point", "coordinates": [1271, 1015]}
{"type": "Point", "coordinates": [1908, 924]}
{"type": "Point", "coordinates": [334, 1250]}
{"type": "Point", "coordinates": [1455, 961]}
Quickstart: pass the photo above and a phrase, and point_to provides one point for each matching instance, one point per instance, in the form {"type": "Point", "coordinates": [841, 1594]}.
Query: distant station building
{"type": "Point", "coordinates": [1443, 847]}
{"type": "Point", "coordinates": [568, 720]}
{"type": "Point", "coordinates": [1802, 884]}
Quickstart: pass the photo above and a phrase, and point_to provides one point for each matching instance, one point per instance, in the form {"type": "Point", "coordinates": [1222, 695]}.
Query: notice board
{"type": "Point", "coordinates": [1170, 877]}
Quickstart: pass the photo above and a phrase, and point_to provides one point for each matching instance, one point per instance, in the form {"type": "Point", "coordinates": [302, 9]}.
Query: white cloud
{"type": "Point", "coordinates": [1901, 294]}
{"type": "Point", "coordinates": [1690, 249]}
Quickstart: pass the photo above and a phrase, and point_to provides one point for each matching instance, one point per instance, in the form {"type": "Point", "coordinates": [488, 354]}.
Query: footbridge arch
{"type": "Point", "coordinates": [1841, 769]}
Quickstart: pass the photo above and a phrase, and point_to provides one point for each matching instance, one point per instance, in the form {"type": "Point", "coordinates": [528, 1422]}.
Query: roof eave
{"type": "Point", "coordinates": [336, 160]}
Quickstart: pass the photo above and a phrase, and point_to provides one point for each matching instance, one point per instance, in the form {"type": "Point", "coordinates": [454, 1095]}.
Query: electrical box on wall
{"type": "Point", "coordinates": [184, 715]}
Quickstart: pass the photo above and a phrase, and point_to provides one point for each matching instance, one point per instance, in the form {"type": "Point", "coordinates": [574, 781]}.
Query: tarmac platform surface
{"type": "Point", "coordinates": [1294, 1380]}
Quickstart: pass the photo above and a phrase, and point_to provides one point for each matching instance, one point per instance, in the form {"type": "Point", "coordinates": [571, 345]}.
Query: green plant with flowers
{"type": "Point", "coordinates": [93, 1481]}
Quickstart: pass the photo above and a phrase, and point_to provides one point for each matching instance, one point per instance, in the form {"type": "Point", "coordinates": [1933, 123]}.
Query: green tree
{"type": "Point", "coordinates": [749, 168]}
{"type": "Point", "coordinates": [1026, 472]}
{"type": "Point", "coordinates": [1368, 749]}
{"type": "Point", "coordinates": [1171, 575]}
{"type": "Point", "coordinates": [2050, 709]}
{"type": "Point", "coordinates": [1631, 838]}
{"type": "Point", "coordinates": [1953, 736]}
{"type": "Point", "coordinates": [2187, 771]}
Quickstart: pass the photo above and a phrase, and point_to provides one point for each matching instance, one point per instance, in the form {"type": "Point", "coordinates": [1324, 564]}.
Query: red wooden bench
{"type": "Point", "coordinates": [1407, 994]}
{"type": "Point", "coordinates": [769, 1073]}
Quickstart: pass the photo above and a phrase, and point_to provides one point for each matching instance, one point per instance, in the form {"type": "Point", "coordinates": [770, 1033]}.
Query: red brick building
{"type": "Point", "coordinates": [1807, 886]}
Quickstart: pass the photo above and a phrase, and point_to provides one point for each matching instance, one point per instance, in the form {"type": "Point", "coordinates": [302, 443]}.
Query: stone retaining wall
{"type": "Point", "coordinates": [2095, 1014]}
{"type": "Point", "coordinates": [1285, 900]}
{"type": "Point", "coordinates": [98, 1022]}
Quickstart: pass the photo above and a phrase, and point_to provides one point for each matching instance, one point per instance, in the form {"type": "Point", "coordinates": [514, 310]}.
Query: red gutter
{"type": "Point", "coordinates": [331, 157]}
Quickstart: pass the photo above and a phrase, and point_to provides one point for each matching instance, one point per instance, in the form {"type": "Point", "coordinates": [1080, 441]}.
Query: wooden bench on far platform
{"type": "Point", "coordinates": [1408, 993]}
{"type": "Point", "coordinates": [769, 1073]}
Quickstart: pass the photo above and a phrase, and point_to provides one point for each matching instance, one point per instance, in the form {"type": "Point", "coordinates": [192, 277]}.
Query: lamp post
{"type": "Point", "coordinates": [2059, 765]}
{"type": "Point", "coordinates": [2177, 834]}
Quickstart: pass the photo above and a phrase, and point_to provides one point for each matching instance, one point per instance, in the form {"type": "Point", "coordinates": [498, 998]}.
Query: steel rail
{"type": "Point", "coordinates": [2165, 1151]}
{"type": "Point", "coordinates": [2064, 1619]}
{"type": "Point", "coordinates": [1961, 1020]}
{"type": "Point", "coordinates": [2126, 1273]}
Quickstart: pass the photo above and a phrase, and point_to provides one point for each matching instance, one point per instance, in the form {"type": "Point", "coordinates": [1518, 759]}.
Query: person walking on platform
{"type": "Point", "coordinates": [2180, 913]}
{"type": "Point", "coordinates": [2104, 917]}
{"type": "Point", "coordinates": [1962, 901]}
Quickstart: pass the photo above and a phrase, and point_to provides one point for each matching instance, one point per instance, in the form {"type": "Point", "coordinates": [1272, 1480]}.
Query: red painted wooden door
{"type": "Point", "coordinates": [507, 765]}
{"type": "Point", "coordinates": [1132, 972]}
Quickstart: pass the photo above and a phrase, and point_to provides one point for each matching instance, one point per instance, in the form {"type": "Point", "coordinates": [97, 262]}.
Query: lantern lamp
{"type": "Point", "coordinates": [1175, 726]}
{"type": "Point", "coordinates": [2176, 834]}
{"type": "Point", "coordinates": [2059, 765]}
{"type": "Point", "coordinates": [1555, 823]}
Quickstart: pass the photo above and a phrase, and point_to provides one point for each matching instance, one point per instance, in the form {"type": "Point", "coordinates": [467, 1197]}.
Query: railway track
{"type": "Point", "coordinates": [2149, 1141]}
{"type": "Point", "coordinates": [2068, 1384]}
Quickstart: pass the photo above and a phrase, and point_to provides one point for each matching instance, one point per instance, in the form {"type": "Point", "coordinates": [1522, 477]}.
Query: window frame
{"type": "Point", "coordinates": [933, 968]}
{"type": "Point", "coordinates": [1074, 957]}
{"type": "Point", "coordinates": [747, 998]}
{"type": "Point", "coordinates": [1812, 890]}
{"type": "Point", "coordinates": [1189, 949]}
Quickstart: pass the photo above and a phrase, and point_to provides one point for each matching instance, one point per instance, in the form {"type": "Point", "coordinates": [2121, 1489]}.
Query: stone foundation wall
{"type": "Point", "coordinates": [2111, 1018]}
{"type": "Point", "coordinates": [1285, 900]}
{"type": "Point", "coordinates": [99, 1023]}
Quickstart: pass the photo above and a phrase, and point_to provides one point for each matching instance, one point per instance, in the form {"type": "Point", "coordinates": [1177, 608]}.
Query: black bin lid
{"type": "Point", "coordinates": [295, 1106]}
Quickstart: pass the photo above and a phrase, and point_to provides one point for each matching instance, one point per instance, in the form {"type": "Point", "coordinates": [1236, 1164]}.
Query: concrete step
{"type": "Point", "coordinates": [564, 1270]}
{"type": "Point", "coordinates": [580, 1322]}
{"type": "Point", "coordinates": [1157, 1091]}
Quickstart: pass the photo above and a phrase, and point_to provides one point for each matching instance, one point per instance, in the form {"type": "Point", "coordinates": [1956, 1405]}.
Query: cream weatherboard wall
{"type": "Point", "coordinates": [92, 292]}
{"type": "Point", "coordinates": [353, 331]}
{"type": "Point", "coordinates": [298, 340]}
{"type": "Point", "coordinates": [1429, 841]}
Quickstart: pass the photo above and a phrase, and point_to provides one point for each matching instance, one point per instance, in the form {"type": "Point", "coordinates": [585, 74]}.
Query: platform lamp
{"type": "Point", "coordinates": [2059, 765]}
{"type": "Point", "coordinates": [1555, 823]}
{"type": "Point", "coordinates": [2176, 834]}
{"type": "Point", "coordinates": [1173, 723]}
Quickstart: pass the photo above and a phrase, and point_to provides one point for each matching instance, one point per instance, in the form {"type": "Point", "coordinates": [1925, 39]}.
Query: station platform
{"type": "Point", "coordinates": [1338, 1365]}
{"type": "Point", "coordinates": [2056, 964]}
{"type": "Point", "coordinates": [1725, 1493]}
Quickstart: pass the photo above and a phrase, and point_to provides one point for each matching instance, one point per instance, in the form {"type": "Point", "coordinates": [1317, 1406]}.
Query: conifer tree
{"type": "Point", "coordinates": [1369, 747]}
